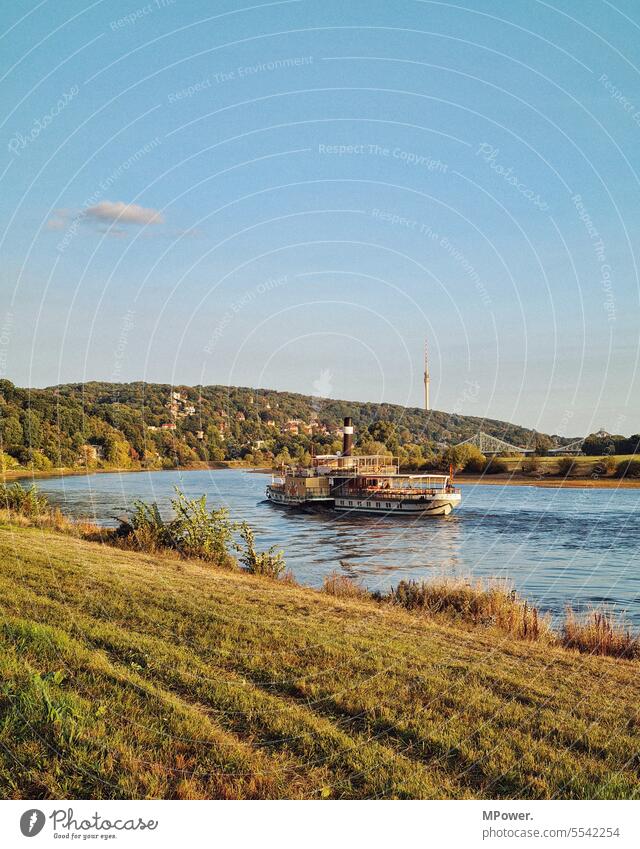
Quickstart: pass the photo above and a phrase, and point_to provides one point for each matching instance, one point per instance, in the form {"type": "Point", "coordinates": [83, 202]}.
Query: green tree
{"type": "Point", "coordinates": [465, 456]}
{"type": "Point", "coordinates": [11, 430]}
{"type": "Point", "coordinates": [117, 451]}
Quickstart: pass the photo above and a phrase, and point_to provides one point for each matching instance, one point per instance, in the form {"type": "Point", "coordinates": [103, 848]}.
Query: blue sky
{"type": "Point", "coordinates": [293, 195]}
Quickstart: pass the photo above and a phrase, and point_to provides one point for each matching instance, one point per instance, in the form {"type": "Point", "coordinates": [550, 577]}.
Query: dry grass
{"type": "Point", "coordinates": [600, 632]}
{"type": "Point", "coordinates": [475, 602]}
{"type": "Point", "coordinates": [342, 586]}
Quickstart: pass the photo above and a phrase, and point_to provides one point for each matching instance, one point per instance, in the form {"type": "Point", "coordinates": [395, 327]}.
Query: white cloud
{"type": "Point", "coordinates": [124, 213]}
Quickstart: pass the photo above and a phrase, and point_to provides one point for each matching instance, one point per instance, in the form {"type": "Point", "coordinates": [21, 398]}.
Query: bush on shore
{"type": "Point", "coordinates": [496, 466]}
{"type": "Point", "coordinates": [24, 502]}
{"type": "Point", "coordinates": [628, 469]}
{"type": "Point", "coordinates": [603, 467]}
{"type": "Point", "coordinates": [269, 563]}
{"type": "Point", "coordinates": [566, 465]}
{"type": "Point", "coordinates": [197, 532]}
{"type": "Point", "coordinates": [531, 465]}
{"type": "Point", "coordinates": [194, 531]}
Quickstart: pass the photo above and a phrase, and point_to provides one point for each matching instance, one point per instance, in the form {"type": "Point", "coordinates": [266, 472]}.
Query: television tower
{"type": "Point", "coordinates": [427, 378]}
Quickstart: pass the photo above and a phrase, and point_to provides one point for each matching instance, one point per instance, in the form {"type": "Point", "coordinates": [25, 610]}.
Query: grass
{"type": "Point", "coordinates": [579, 466]}
{"type": "Point", "coordinates": [130, 675]}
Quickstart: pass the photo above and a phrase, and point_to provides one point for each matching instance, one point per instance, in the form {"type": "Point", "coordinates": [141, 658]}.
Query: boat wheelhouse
{"type": "Point", "coordinates": [363, 484]}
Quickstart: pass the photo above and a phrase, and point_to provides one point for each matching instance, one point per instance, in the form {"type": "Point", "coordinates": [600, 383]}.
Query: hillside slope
{"type": "Point", "coordinates": [128, 676]}
{"type": "Point", "coordinates": [107, 424]}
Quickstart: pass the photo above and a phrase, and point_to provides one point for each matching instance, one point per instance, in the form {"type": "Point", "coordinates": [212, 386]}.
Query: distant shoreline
{"type": "Point", "coordinates": [550, 482]}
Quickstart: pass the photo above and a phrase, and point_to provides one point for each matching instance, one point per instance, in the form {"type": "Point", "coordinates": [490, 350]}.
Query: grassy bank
{"type": "Point", "coordinates": [133, 675]}
{"type": "Point", "coordinates": [621, 471]}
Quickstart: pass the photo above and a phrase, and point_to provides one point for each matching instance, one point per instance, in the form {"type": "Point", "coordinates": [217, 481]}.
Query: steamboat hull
{"type": "Point", "coordinates": [418, 507]}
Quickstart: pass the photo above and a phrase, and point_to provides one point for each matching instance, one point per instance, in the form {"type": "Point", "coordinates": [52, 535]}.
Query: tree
{"type": "Point", "coordinates": [411, 457]}
{"type": "Point", "coordinates": [11, 431]}
{"type": "Point", "coordinates": [598, 445]}
{"type": "Point", "coordinates": [117, 451]}
{"type": "Point", "coordinates": [282, 458]}
{"type": "Point", "coordinates": [32, 426]}
{"type": "Point", "coordinates": [542, 444]}
{"type": "Point", "coordinates": [464, 456]}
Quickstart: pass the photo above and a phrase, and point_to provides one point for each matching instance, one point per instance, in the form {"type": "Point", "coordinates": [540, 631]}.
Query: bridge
{"type": "Point", "coordinates": [572, 448]}
{"type": "Point", "coordinates": [491, 445]}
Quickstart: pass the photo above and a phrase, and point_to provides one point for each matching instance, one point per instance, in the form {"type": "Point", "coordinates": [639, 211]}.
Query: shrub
{"type": "Point", "coordinates": [476, 463]}
{"type": "Point", "coordinates": [40, 461]}
{"type": "Point", "coordinates": [269, 563]}
{"type": "Point", "coordinates": [25, 502]}
{"type": "Point", "coordinates": [599, 632]}
{"type": "Point", "coordinates": [476, 603]}
{"type": "Point", "coordinates": [566, 466]}
{"type": "Point", "coordinates": [465, 456]}
{"type": "Point", "coordinates": [342, 586]}
{"type": "Point", "coordinates": [194, 531]}
{"type": "Point", "coordinates": [603, 467]}
{"type": "Point", "coordinates": [8, 462]}
{"type": "Point", "coordinates": [628, 469]}
{"type": "Point", "coordinates": [496, 466]}
{"type": "Point", "coordinates": [531, 466]}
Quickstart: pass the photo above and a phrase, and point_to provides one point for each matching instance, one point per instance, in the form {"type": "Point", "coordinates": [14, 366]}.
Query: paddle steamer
{"type": "Point", "coordinates": [362, 484]}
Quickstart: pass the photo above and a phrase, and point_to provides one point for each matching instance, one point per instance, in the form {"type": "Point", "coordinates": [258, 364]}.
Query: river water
{"type": "Point", "coordinates": [555, 546]}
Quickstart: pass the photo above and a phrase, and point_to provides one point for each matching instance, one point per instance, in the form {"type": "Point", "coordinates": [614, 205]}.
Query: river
{"type": "Point", "coordinates": [557, 547]}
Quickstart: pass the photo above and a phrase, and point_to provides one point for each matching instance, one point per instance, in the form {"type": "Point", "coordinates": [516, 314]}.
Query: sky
{"type": "Point", "coordinates": [294, 195]}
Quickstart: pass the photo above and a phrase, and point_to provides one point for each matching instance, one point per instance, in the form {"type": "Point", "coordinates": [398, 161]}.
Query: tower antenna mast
{"type": "Point", "coordinates": [427, 377]}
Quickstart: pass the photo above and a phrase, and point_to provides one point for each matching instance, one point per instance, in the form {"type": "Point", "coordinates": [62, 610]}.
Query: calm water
{"type": "Point", "coordinates": [555, 546]}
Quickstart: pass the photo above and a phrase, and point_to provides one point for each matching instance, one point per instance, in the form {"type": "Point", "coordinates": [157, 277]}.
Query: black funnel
{"type": "Point", "coordinates": [347, 437]}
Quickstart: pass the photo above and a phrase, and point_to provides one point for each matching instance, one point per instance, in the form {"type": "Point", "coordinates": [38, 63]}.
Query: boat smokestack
{"type": "Point", "coordinates": [347, 437]}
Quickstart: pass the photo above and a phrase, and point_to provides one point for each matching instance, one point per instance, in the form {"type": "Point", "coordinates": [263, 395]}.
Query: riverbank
{"type": "Point", "coordinates": [128, 675]}
{"type": "Point", "coordinates": [9, 475]}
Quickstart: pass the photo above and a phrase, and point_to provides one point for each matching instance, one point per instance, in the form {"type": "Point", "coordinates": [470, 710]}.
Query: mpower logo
{"type": "Point", "coordinates": [32, 822]}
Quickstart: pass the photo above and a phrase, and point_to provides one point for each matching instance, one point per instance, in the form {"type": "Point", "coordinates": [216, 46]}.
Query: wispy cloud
{"type": "Point", "coordinates": [124, 213]}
